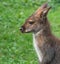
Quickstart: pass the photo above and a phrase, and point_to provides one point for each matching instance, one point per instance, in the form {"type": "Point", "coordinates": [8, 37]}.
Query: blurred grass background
{"type": "Point", "coordinates": [15, 47]}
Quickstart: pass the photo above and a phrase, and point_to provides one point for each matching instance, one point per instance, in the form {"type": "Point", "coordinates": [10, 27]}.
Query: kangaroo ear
{"type": "Point", "coordinates": [46, 10]}
{"type": "Point", "coordinates": [38, 11]}
{"type": "Point", "coordinates": [45, 5]}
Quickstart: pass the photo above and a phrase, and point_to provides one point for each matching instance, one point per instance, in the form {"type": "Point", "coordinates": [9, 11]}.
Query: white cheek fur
{"type": "Point", "coordinates": [27, 30]}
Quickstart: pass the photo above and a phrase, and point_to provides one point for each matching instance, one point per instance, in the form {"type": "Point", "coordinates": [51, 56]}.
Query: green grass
{"type": "Point", "coordinates": [15, 47]}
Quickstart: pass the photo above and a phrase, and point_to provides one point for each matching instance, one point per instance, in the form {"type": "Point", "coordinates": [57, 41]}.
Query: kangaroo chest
{"type": "Point", "coordinates": [38, 50]}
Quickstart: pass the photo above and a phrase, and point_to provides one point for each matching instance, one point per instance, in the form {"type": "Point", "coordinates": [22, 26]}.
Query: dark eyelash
{"type": "Point", "coordinates": [31, 22]}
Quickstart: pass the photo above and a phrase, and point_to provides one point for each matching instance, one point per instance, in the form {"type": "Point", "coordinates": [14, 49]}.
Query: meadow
{"type": "Point", "coordinates": [15, 47]}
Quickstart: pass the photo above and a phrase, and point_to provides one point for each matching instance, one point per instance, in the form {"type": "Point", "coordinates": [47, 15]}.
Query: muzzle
{"type": "Point", "coordinates": [22, 29]}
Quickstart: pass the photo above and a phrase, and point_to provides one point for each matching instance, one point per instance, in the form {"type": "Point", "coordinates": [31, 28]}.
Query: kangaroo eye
{"type": "Point", "coordinates": [31, 22]}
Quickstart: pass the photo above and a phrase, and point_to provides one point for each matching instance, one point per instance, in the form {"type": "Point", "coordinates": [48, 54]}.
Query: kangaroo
{"type": "Point", "coordinates": [47, 46]}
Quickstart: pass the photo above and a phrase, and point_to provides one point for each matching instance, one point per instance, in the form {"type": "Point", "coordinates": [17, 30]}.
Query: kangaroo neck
{"type": "Point", "coordinates": [44, 32]}
{"type": "Point", "coordinates": [42, 35]}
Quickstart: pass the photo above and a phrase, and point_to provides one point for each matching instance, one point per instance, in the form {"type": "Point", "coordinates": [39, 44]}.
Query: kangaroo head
{"type": "Point", "coordinates": [36, 21]}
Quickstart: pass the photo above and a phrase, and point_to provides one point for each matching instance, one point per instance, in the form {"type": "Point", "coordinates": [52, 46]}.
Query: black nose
{"type": "Point", "coordinates": [22, 29]}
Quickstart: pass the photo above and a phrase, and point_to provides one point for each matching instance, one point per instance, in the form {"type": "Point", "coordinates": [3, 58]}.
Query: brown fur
{"type": "Point", "coordinates": [46, 42]}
